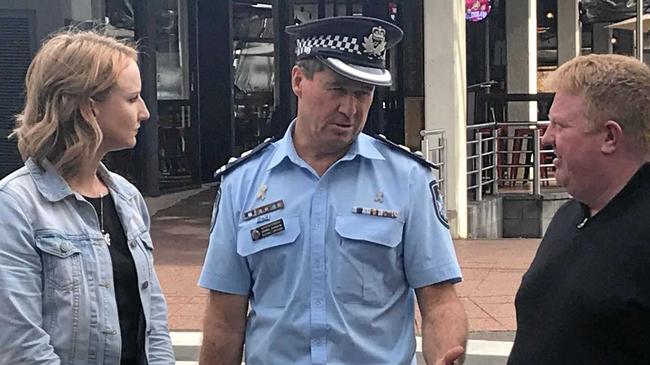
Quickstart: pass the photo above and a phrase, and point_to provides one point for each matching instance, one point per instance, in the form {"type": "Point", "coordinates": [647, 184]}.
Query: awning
{"type": "Point", "coordinates": [630, 24]}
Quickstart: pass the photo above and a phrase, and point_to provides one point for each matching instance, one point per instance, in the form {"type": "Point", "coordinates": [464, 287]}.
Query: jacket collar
{"type": "Point", "coordinates": [54, 187]}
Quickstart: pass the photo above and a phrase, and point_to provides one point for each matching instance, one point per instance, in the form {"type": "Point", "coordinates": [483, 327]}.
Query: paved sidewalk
{"type": "Point", "coordinates": [492, 269]}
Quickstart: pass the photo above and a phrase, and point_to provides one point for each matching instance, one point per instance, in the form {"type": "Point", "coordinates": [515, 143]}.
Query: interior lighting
{"type": "Point", "coordinates": [262, 6]}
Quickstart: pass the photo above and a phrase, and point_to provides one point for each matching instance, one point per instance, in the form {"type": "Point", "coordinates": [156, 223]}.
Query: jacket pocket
{"type": "Point", "coordinates": [271, 261]}
{"type": "Point", "coordinates": [61, 262]}
{"type": "Point", "coordinates": [369, 259]}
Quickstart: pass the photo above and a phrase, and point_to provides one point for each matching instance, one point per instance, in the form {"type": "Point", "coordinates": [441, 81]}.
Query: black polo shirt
{"type": "Point", "coordinates": [586, 296]}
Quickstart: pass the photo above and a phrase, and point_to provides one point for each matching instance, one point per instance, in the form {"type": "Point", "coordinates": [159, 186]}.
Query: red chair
{"type": "Point", "coordinates": [521, 134]}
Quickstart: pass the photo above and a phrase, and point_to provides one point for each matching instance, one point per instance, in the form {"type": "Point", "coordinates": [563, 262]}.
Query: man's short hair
{"type": "Point", "coordinates": [614, 87]}
{"type": "Point", "coordinates": [310, 66]}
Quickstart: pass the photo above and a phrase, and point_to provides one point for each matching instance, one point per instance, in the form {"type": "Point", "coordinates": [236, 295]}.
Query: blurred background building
{"type": "Point", "coordinates": [468, 87]}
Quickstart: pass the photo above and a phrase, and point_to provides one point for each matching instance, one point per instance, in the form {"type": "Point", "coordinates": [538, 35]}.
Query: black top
{"type": "Point", "coordinates": [125, 282]}
{"type": "Point", "coordinates": [586, 296]}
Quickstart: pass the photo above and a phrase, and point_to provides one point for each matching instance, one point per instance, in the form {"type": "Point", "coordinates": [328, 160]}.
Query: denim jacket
{"type": "Point", "coordinates": [57, 302]}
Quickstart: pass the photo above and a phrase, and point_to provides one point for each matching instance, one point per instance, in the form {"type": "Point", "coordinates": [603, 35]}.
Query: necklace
{"type": "Point", "coordinates": [107, 235]}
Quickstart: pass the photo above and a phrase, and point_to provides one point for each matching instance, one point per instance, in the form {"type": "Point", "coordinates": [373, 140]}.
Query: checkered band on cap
{"type": "Point", "coordinates": [304, 46]}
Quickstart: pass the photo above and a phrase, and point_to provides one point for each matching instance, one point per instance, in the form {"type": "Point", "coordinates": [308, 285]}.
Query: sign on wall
{"type": "Point", "coordinates": [477, 10]}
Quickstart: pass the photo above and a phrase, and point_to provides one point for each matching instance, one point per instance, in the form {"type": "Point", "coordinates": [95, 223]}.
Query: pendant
{"type": "Point", "coordinates": [107, 238]}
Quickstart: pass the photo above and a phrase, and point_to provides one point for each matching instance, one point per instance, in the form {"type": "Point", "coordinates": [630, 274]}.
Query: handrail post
{"type": "Point", "coordinates": [536, 160]}
{"type": "Point", "coordinates": [495, 159]}
{"type": "Point", "coordinates": [425, 148]}
{"type": "Point", "coordinates": [442, 155]}
{"type": "Point", "coordinates": [479, 165]}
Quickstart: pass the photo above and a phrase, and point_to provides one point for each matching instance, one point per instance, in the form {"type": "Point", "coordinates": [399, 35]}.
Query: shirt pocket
{"type": "Point", "coordinates": [369, 259]}
{"type": "Point", "coordinates": [271, 261]}
{"type": "Point", "coordinates": [61, 262]}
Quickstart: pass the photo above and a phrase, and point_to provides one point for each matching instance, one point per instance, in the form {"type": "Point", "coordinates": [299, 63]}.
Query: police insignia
{"type": "Point", "coordinates": [438, 203]}
{"type": "Point", "coordinates": [375, 212]}
{"type": "Point", "coordinates": [215, 209]}
{"type": "Point", "coordinates": [375, 42]}
{"type": "Point", "coordinates": [256, 212]}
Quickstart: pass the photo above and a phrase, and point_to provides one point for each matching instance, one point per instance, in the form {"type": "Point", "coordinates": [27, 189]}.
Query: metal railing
{"type": "Point", "coordinates": [534, 167]}
{"type": "Point", "coordinates": [481, 159]}
{"type": "Point", "coordinates": [434, 146]}
{"type": "Point", "coordinates": [494, 158]}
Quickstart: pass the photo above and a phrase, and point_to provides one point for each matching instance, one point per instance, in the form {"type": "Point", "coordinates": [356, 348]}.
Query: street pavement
{"type": "Point", "coordinates": [492, 271]}
{"type": "Point", "coordinates": [480, 351]}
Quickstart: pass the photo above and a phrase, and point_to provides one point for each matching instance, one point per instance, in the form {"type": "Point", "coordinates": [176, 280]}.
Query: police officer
{"type": "Point", "coordinates": [328, 233]}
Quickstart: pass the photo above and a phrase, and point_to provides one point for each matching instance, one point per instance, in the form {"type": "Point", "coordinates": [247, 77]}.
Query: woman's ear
{"type": "Point", "coordinates": [613, 137]}
{"type": "Point", "coordinates": [87, 110]}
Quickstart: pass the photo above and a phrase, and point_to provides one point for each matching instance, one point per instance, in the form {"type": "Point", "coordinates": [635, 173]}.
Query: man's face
{"type": "Point", "coordinates": [576, 145]}
{"type": "Point", "coordinates": [332, 110]}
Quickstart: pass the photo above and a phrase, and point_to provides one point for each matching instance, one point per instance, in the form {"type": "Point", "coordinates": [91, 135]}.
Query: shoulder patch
{"type": "Point", "coordinates": [417, 156]}
{"type": "Point", "coordinates": [438, 203]}
{"type": "Point", "coordinates": [215, 209]}
{"type": "Point", "coordinates": [233, 163]}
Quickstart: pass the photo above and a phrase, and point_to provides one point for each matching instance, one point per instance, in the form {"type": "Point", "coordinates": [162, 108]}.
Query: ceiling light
{"type": "Point", "coordinates": [262, 6]}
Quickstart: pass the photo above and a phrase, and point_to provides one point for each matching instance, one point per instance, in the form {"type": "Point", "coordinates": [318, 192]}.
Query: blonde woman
{"type": "Point", "coordinates": [77, 282]}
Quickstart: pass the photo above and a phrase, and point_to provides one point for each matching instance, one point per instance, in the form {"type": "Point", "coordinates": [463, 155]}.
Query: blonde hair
{"type": "Point", "coordinates": [70, 69]}
{"type": "Point", "coordinates": [614, 87]}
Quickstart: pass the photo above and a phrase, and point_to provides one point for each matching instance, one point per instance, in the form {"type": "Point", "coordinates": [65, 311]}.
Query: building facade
{"type": "Point", "coordinates": [216, 78]}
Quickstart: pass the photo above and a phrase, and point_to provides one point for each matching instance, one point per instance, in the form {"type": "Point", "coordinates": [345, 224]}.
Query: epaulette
{"type": "Point", "coordinates": [417, 155]}
{"type": "Point", "coordinates": [234, 163]}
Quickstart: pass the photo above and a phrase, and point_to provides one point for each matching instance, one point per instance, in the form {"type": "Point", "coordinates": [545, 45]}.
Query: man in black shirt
{"type": "Point", "coordinates": [586, 296]}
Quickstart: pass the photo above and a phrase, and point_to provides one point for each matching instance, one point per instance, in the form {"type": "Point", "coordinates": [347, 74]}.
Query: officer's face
{"type": "Point", "coordinates": [332, 110]}
{"type": "Point", "coordinates": [577, 146]}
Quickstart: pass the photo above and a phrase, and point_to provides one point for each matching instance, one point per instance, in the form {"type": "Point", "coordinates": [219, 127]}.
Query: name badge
{"type": "Point", "coordinates": [256, 212]}
{"type": "Point", "coordinates": [376, 212]}
{"type": "Point", "coordinates": [268, 229]}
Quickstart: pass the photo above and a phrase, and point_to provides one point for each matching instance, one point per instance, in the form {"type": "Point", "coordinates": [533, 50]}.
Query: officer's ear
{"type": "Point", "coordinates": [613, 137]}
{"type": "Point", "coordinates": [297, 77]}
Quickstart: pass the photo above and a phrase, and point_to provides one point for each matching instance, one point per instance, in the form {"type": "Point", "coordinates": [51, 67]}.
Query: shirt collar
{"type": "Point", "coordinates": [637, 182]}
{"type": "Point", "coordinates": [362, 146]}
{"type": "Point", "coordinates": [54, 187]}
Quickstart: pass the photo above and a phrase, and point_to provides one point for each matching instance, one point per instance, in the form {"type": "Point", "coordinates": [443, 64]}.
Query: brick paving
{"type": "Point", "coordinates": [492, 269]}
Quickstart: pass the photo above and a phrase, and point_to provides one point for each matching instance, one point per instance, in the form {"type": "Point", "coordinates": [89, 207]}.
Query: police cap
{"type": "Point", "coordinates": [353, 46]}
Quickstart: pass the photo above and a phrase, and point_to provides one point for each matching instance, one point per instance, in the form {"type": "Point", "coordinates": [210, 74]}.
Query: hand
{"type": "Point", "coordinates": [451, 356]}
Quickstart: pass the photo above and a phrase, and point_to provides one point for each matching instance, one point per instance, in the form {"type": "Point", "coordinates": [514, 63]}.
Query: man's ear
{"type": "Point", "coordinates": [297, 76]}
{"type": "Point", "coordinates": [87, 110]}
{"type": "Point", "coordinates": [613, 137]}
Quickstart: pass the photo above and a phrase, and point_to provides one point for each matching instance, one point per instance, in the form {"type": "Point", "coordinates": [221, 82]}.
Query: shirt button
{"type": "Point", "coordinates": [105, 284]}
{"type": "Point", "coordinates": [145, 285]}
{"type": "Point", "coordinates": [132, 244]}
{"type": "Point", "coordinates": [318, 301]}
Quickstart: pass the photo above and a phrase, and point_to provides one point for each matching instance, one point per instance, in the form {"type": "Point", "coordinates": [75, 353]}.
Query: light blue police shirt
{"type": "Point", "coordinates": [328, 285]}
